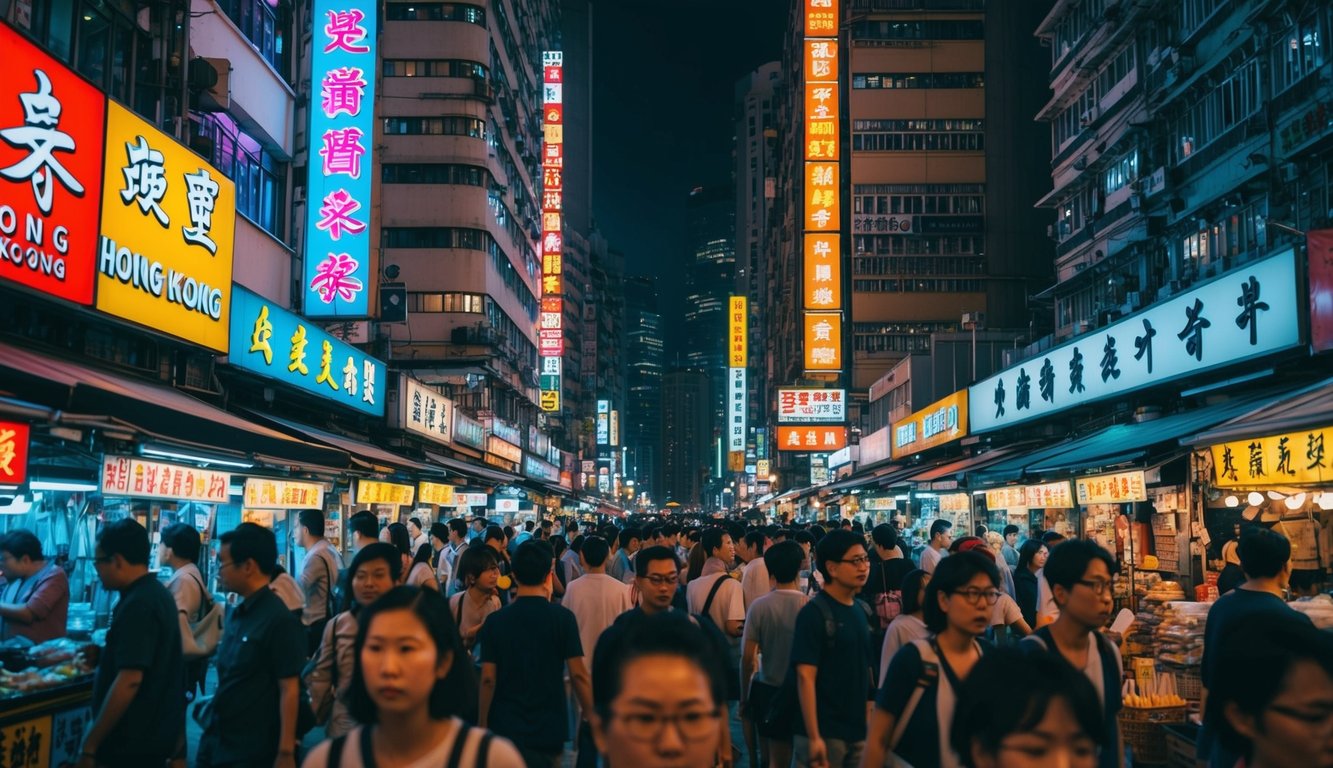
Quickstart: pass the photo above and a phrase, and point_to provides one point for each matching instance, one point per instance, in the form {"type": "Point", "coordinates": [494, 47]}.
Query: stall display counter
{"type": "Point", "coordinates": [45, 703]}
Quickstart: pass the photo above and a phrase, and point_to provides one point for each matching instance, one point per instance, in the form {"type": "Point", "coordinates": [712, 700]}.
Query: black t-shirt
{"type": "Point", "coordinates": [262, 644]}
{"type": "Point", "coordinates": [885, 575]}
{"type": "Point", "coordinates": [1236, 609]}
{"type": "Point", "coordinates": [843, 675]}
{"type": "Point", "coordinates": [144, 635]}
{"type": "Point", "coordinates": [529, 641]}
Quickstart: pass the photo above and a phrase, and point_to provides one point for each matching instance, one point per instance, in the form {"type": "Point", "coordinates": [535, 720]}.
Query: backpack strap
{"type": "Point", "coordinates": [207, 606]}
{"type": "Point", "coordinates": [328, 590]}
{"type": "Point", "coordinates": [712, 593]}
{"type": "Point", "coordinates": [336, 752]}
{"type": "Point", "coordinates": [930, 676]}
{"type": "Point", "coordinates": [830, 623]}
{"type": "Point", "coordinates": [458, 612]}
{"type": "Point", "coordinates": [367, 748]}
{"type": "Point", "coordinates": [460, 743]}
{"type": "Point", "coordinates": [484, 748]}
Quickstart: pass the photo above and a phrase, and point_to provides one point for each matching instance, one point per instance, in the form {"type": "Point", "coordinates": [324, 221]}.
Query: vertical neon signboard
{"type": "Point", "coordinates": [550, 331]}
{"type": "Point", "coordinates": [337, 273]}
{"type": "Point", "coordinates": [822, 206]}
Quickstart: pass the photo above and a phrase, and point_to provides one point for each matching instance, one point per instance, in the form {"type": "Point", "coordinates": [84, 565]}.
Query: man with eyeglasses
{"type": "Point", "coordinates": [1080, 576]}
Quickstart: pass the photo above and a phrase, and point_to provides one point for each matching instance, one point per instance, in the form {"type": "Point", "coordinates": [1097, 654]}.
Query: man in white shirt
{"type": "Point", "coordinates": [754, 576]}
{"type": "Point", "coordinates": [418, 534]}
{"type": "Point", "coordinates": [727, 610]}
{"type": "Point", "coordinates": [940, 539]}
{"type": "Point", "coordinates": [319, 575]}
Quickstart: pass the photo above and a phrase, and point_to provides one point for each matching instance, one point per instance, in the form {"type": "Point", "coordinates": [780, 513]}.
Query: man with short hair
{"type": "Point", "coordinates": [833, 674]}
{"type": "Point", "coordinates": [34, 603]}
{"type": "Point", "coordinates": [1265, 557]}
{"type": "Point", "coordinates": [1009, 550]}
{"type": "Point", "coordinates": [887, 569]}
{"type": "Point", "coordinates": [457, 541]}
{"type": "Point", "coordinates": [418, 534]}
{"type": "Point", "coordinates": [259, 659]}
{"type": "Point", "coordinates": [439, 542]}
{"type": "Point", "coordinates": [596, 600]}
{"type": "Point", "coordinates": [319, 575]}
{"type": "Point", "coordinates": [365, 528]}
{"type": "Point", "coordinates": [1080, 576]}
{"type": "Point", "coordinates": [628, 543]}
{"type": "Point", "coordinates": [770, 625]}
{"type": "Point", "coordinates": [722, 598]}
{"type": "Point", "coordinates": [524, 649]}
{"type": "Point", "coordinates": [138, 714]}
{"type": "Point", "coordinates": [940, 539]}
{"type": "Point", "coordinates": [479, 525]}
{"type": "Point", "coordinates": [754, 576]}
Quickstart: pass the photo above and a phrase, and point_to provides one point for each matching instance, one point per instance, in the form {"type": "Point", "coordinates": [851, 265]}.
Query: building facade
{"type": "Point", "coordinates": [687, 436]}
{"type": "Point", "coordinates": [646, 358]}
{"type": "Point", "coordinates": [710, 280]}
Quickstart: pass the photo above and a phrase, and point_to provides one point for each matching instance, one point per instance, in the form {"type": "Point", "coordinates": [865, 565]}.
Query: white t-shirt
{"type": "Point", "coordinates": [286, 588]}
{"type": "Point", "coordinates": [931, 557]}
{"type": "Point", "coordinates": [754, 581]}
{"type": "Point", "coordinates": [1006, 611]}
{"type": "Point", "coordinates": [902, 630]}
{"type": "Point", "coordinates": [1047, 611]}
{"type": "Point", "coordinates": [502, 753]}
{"type": "Point", "coordinates": [728, 605]}
{"type": "Point", "coordinates": [596, 601]}
{"type": "Point", "coordinates": [422, 575]}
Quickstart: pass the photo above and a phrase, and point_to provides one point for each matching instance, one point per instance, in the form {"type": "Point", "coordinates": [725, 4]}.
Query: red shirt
{"type": "Point", "coordinates": [46, 595]}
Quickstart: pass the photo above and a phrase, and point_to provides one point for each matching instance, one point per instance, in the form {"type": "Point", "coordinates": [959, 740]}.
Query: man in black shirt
{"type": "Point", "coordinates": [139, 690]}
{"type": "Point", "coordinates": [253, 723]}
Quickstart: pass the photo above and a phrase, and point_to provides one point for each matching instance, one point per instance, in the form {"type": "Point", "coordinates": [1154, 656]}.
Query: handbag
{"type": "Point", "coordinates": [323, 707]}
{"type": "Point", "coordinates": [199, 640]}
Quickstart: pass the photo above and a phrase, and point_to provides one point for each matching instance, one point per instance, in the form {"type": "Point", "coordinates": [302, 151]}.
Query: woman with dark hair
{"type": "Point", "coordinates": [908, 625]}
{"type": "Point", "coordinates": [398, 535]}
{"type": "Point", "coordinates": [1031, 559]}
{"type": "Point", "coordinates": [409, 718]}
{"type": "Point", "coordinates": [1272, 701]}
{"type": "Point", "coordinates": [422, 573]}
{"type": "Point", "coordinates": [477, 572]}
{"type": "Point", "coordinates": [1021, 710]}
{"type": "Point", "coordinates": [914, 709]}
{"type": "Point", "coordinates": [375, 570]}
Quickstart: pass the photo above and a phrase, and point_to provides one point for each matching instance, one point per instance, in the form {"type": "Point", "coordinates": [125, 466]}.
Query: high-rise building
{"type": "Point", "coordinates": [687, 435]}
{"type": "Point", "coordinates": [646, 356]}
{"type": "Point", "coordinates": [710, 280]}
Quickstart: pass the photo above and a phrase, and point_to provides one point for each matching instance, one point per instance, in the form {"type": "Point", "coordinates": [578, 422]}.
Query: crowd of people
{"type": "Point", "coordinates": [717, 644]}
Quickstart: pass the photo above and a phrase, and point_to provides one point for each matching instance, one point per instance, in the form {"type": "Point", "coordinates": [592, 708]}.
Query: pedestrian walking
{"type": "Point", "coordinates": [1031, 559]}
{"type": "Point", "coordinates": [770, 627]}
{"type": "Point", "coordinates": [477, 573]}
{"type": "Point", "coordinates": [754, 576]}
{"type": "Point", "coordinates": [941, 537]}
{"type": "Point", "coordinates": [907, 626]}
{"type": "Point", "coordinates": [179, 549]}
{"type": "Point", "coordinates": [319, 573]}
{"type": "Point", "coordinates": [627, 544]}
{"type": "Point", "coordinates": [138, 712]}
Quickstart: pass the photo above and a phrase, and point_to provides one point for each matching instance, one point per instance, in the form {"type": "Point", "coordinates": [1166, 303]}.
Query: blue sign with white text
{"type": "Point", "coordinates": [285, 347]}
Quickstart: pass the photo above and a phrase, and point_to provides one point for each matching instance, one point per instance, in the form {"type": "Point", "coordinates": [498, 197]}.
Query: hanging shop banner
{"type": "Point", "coordinates": [879, 503]}
{"type": "Point", "coordinates": [943, 421]}
{"type": "Point", "coordinates": [956, 503]}
{"type": "Point", "coordinates": [436, 493]}
{"type": "Point", "coordinates": [425, 411]}
{"type": "Point", "coordinates": [737, 328]}
{"type": "Point", "coordinates": [338, 272]}
{"type": "Point", "coordinates": [14, 438]}
{"type": "Point", "coordinates": [498, 446]}
{"type": "Point", "coordinates": [819, 474]}
{"type": "Point", "coordinates": [168, 219]}
{"type": "Point", "coordinates": [736, 406]}
{"type": "Point", "coordinates": [468, 431]}
{"type": "Point", "coordinates": [52, 123]}
{"type": "Point", "coordinates": [1117, 488]}
{"type": "Point", "coordinates": [823, 209]}
{"type": "Point", "coordinates": [471, 499]}
{"type": "Point", "coordinates": [504, 430]}
{"type": "Point", "coordinates": [1049, 496]}
{"type": "Point", "coordinates": [823, 271]}
{"type": "Point", "coordinates": [823, 341]}
{"type": "Point", "coordinates": [264, 493]}
{"type": "Point", "coordinates": [1295, 458]}
{"type": "Point", "coordinates": [823, 439]}
{"type": "Point", "coordinates": [128, 476]}
{"type": "Point", "coordinates": [1010, 497]}
{"type": "Point", "coordinates": [277, 344]}
{"type": "Point", "coordinates": [821, 18]}
{"type": "Point", "coordinates": [615, 428]}
{"type": "Point", "coordinates": [377, 492]}
{"type": "Point", "coordinates": [811, 406]}
{"type": "Point", "coordinates": [537, 469]}
{"type": "Point", "coordinates": [1236, 318]}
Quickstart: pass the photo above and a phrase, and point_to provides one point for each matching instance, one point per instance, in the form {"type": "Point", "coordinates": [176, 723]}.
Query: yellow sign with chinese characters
{"type": "Point", "coordinates": [1295, 458]}
{"type": "Point", "coordinates": [737, 332]}
{"type": "Point", "coordinates": [266, 493]}
{"type": "Point", "coordinates": [1117, 488]}
{"type": "Point", "coordinates": [27, 742]}
{"type": "Point", "coordinates": [376, 492]}
{"type": "Point", "coordinates": [823, 341]}
{"type": "Point", "coordinates": [435, 493]}
{"type": "Point", "coordinates": [168, 221]}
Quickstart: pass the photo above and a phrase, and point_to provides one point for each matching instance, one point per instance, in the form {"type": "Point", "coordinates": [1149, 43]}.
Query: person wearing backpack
{"type": "Point", "coordinates": [716, 597]}
{"type": "Point", "coordinates": [178, 549]}
{"type": "Point", "coordinates": [1080, 575]}
{"type": "Point", "coordinates": [770, 625]}
{"type": "Point", "coordinates": [830, 659]}
{"type": "Point", "coordinates": [319, 574]}
{"type": "Point", "coordinates": [914, 707]}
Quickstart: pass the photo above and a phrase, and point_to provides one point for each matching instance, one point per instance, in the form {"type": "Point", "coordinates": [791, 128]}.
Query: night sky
{"type": "Point", "coordinates": [662, 118]}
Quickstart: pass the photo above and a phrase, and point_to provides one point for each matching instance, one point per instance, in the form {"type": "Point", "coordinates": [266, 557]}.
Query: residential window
{"type": "Point", "coordinates": [894, 337]}
{"type": "Point", "coordinates": [918, 245]}
{"type": "Point", "coordinates": [1218, 111]}
{"type": "Point", "coordinates": [467, 239]}
{"type": "Point", "coordinates": [1121, 172]}
{"type": "Point", "coordinates": [473, 303]}
{"type": "Point", "coordinates": [413, 11]}
{"type": "Point", "coordinates": [969, 201]}
{"type": "Point", "coordinates": [918, 30]}
{"type": "Point", "coordinates": [268, 26]}
{"type": "Point", "coordinates": [436, 173]}
{"type": "Point", "coordinates": [1079, 20]}
{"type": "Point", "coordinates": [1297, 53]}
{"type": "Point", "coordinates": [1193, 14]}
{"type": "Point", "coordinates": [918, 135]}
{"type": "Point", "coordinates": [434, 68]}
{"type": "Point", "coordinates": [260, 177]}
{"type": "Point", "coordinates": [901, 80]}
{"type": "Point", "coordinates": [435, 126]}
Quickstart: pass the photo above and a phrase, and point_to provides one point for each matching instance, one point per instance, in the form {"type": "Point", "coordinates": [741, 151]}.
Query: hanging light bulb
{"type": "Point", "coordinates": [1231, 501]}
{"type": "Point", "coordinates": [1300, 498]}
{"type": "Point", "coordinates": [1325, 501]}
{"type": "Point", "coordinates": [1275, 496]}
{"type": "Point", "coordinates": [1294, 502]}
{"type": "Point", "coordinates": [1255, 498]}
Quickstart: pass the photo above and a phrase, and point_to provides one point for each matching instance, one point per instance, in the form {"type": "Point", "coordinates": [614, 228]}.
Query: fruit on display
{"type": "Point", "coordinates": [1160, 691]}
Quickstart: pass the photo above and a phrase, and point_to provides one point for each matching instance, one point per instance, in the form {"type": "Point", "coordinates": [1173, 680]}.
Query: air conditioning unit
{"type": "Point", "coordinates": [1088, 117]}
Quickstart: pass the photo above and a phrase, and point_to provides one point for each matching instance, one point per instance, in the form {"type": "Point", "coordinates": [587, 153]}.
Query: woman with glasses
{"type": "Point", "coordinates": [659, 702]}
{"type": "Point", "coordinates": [915, 705]}
{"type": "Point", "coordinates": [412, 691]}
{"type": "Point", "coordinates": [478, 573]}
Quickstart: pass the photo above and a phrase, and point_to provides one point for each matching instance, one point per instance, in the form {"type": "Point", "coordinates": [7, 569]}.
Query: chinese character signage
{"type": "Point", "coordinates": [26, 743]}
{"type": "Point", "coordinates": [13, 452]}
{"type": "Point", "coordinates": [812, 439]}
{"type": "Point", "coordinates": [468, 431]}
{"type": "Point", "coordinates": [263, 493]}
{"type": "Point", "coordinates": [272, 342]}
{"type": "Point", "coordinates": [337, 273]}
{"type": "Point", "coordinates": [128, 476]}
{"type": "Point", "coordinates": [1245, 315]}
{"type": "Point", "coordinates": [425, 411]}
{"type": "Point", "coordinates": [376, 492]}
{"type": "Point", "coordinates": [471, 499]}
{"type": "Point", "coordinates": [938, 423]}
{"type": "Point", "coordinates": [603, 422]}
{"type": "Point", "coordinates": [955, 503]}
{"type": "Point", "coordinates": [501, 448]}
{"type": "Point", "coordinates": [615, 428]}
{"type": "Point", "coordinates": [168, 217]}
{"type": "Point", "coordinates": [1049, 496]}
{"type": "Point", "coordinates": [737, 331]}
{"type": "Point", "coordinates": [51, 142]}
{"type": "Point", "coordinates": [1295, 458]}
{"type": "Point", "coordinates": [821, 118]}
{"type": "Point", "coordinates": [550, 329]}
{"type": "Point", "coordinates": [811, 406]}
{"type": "Point", "coordinates": [823, 341]}
{"type": "Point", "coordinates": [823, 211]}
{"type": "Point", "coordinates": [1118, 488]}
{"type": "Point", "coordinates": [823, 271]}
{"type": "Point", "coordinates": [736, 409]}
{"type": "Point", "coordinates": [1013, 497]}
{"type": "Point", "coordinates": [821, 18]}
{"type": "Point", "coordinates": [435, 493]}
{"type": "Point", "coordinates": [538, 469]}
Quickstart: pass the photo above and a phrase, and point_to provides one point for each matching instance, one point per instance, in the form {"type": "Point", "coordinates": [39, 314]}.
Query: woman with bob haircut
{"type": "Point", "coordinates": [1026, 710]}
{"type": "Point", "coordinates": [477, 572]}
{"type": "Point", "coordinates": [912, 720]}
{"type": "Point", "coordinates": [408, 718]}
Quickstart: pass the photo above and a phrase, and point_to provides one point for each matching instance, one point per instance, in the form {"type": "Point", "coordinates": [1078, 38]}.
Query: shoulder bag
{"type": "Point", "coordinates": [199, 640]}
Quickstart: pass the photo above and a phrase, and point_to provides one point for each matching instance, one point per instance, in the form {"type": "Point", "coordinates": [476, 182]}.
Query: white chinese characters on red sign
{"type": "Point", "coordinates": [126, 476]}
{"type": "Point", "coordinates": [811, 406]}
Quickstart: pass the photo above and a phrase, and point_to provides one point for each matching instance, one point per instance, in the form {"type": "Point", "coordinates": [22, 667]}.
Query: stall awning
{"type": "Point", "coordinates": [371, 456]}
{"type": "Point", "coordinates": [1113, 446]}
{"type": "Point", "coordinates": [160, 411]}
{"type": "Point", "coordinates": [1303, 409]}
{"type": "Point", "coordinates": [959, 468]}
{"type": "Point", "coordinates": [861, 480]}
{"type": "Point", "coordinates": [474, 471]}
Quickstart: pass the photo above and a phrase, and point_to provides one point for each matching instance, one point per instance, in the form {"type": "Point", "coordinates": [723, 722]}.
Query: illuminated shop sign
{"type": "Point", "coordinates": [941, 422]}
{"type": "Point", "coordinates": [821, 207]}
{"type": "Point", "coordinates": [14, 437]}
{"type": "Point", "coordinates": [376, 492]}
{"type": "Point", "coordinates": [1294, 458]}
{"type": "Point", "coordinates": [128, 476]}
{"type": "Point", "coordinates": [811, 406]}
{"type": "Point", "coordinates": [812, 439]}
{"type": "Point", "coordinates": [264, 493]}
{"type": "Point", "coordinates": [425, 411]}
{"type": "Point", "coordinates": [550, 330]}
